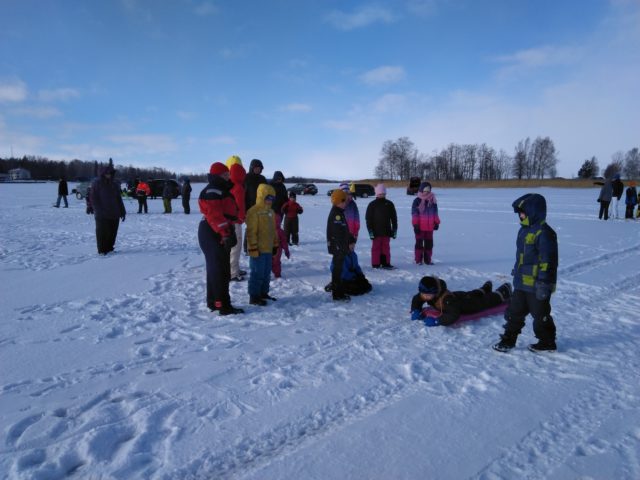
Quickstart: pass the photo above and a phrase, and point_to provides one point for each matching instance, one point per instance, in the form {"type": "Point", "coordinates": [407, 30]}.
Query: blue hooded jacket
{"type": "Point", "coordinates": [536, 245]}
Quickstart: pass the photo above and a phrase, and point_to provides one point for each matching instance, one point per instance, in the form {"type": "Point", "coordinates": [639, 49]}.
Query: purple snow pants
{"type": "Point", "coordinates": [424, 246]}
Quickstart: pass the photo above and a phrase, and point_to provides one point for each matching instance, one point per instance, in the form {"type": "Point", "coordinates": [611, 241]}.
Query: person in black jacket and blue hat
{"type": "Point", "coordinates": [534, 276]}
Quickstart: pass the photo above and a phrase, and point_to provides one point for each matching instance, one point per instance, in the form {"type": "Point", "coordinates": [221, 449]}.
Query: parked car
{"type": "Point", "coordinates": [414, 184]}
{"type": "Point", "coordinates": [304, 189]}
{"type": "Point", "coordinates": [363, 190]}
{"type": "Point", "coordinates": [157, 186]}
{"type": "Point", "coordinates": [81, 189]}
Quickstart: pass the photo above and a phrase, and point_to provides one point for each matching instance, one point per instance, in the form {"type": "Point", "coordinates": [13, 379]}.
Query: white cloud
{"type": "Point", "coordinates": [13, 91]}
{"type": "Point", "coordinates": [37, 112]}
{"type": "Point", "coordinates": [59, 94]}
{"type": "Point", "coordinates": [222, 140]}
{"type": "Point", "coordinates": [362, 17]}
{"type": "Point", "coordinates": [391, 102]}
{"type": "Point", "coordinates": [524, 61]}
{"type": "Point", "coordinates": [205, 8]}
{"type": "Point", "coordinates": [130, 145]}
{"type": "Point", "coordinates": [296, 107]}
{"type": "Point", "coordinates": [383, 75]}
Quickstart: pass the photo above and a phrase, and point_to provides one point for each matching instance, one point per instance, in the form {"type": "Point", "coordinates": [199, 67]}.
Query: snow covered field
{"type": "Point", "coordinates": [113, 368]}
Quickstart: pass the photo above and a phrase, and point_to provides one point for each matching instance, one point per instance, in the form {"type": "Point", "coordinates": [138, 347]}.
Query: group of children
{"type": "Point", "coordinates": [221, 203]}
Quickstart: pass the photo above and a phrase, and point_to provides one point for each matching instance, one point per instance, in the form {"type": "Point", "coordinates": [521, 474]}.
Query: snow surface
{"type": "Point", "coordinates": [113, 368]}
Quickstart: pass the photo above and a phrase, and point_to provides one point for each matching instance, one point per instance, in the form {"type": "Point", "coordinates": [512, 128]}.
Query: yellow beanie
{"type": "Point", "coordinates": [338, 196]}
{"type": "Point", "coordinates": [232, 160]}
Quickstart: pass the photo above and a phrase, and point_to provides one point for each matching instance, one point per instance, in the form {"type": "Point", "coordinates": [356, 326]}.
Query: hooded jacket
{"type": "Point", "coordinates": [424, 212]}
{"type": "Point", "coordinates": [261, 224]}
{"type": "Point", "coordinates": [218, 207]}
{"type": "Point", "coordinates": [251, 182]}
{"type": "Point", "coordinates": [536, 245]}
{"type": "Point", "coordinates": [105, 196]}
{"type": "Point", "coordinates": [277, 182]}
{"type": "Point", "coordinates": [238, 175]}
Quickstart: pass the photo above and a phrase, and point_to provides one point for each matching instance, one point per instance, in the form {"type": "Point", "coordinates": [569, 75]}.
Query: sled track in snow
{"type": "Point", "coordinates": [591, 264]}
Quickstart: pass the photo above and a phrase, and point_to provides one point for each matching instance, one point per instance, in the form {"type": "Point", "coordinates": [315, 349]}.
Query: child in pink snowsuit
{"type": "Point", "coordinates": [425, 219]}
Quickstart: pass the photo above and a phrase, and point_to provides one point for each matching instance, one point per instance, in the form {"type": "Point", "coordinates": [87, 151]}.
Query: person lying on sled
{"type": "Point", "coordinates": [447, 307]}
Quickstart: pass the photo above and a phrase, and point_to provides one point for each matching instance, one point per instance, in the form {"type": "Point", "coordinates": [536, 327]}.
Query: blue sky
{"type": "Point", "coordinates": [315, 87]}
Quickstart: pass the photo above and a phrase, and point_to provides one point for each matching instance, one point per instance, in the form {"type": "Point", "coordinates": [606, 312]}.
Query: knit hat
{"type": "Point", "coordinates": [237, 173]}
{"type": "Point", "coordinates": [218, 168]}
{"type": "Point", "coordinates": [232, 160]}
{"type": "Point", "coordinates": [344, 186]}
{"type": "Point", "coordinates": [292, 194]}
{"type": "Point", "coordinates": [424, 186]}
{"type": "Point", "coordinates": [338, 196]}
{"type": "Point", "coordinates": [381, 189]}
{"type": "Point", "coordinates": [432, 285]}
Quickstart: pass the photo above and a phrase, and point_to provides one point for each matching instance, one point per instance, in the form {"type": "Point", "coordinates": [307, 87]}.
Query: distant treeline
{"type": "Point", "coordinates": [41, 168]}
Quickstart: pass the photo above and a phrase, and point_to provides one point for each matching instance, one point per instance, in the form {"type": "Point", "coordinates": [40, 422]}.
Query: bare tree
{"type": "Point", "coordinates": [617, 161]}
{"type": "Point", "coordinates": [632, 163]}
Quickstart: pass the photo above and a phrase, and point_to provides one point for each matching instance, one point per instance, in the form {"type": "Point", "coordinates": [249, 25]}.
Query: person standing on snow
{"type": "Point", "coordinates": [186, 196]}
{"type": "Point", "coordinates": [216, 237]}
{"type": "Point", "coordinates": [534, 277]}
{"type": "Point", "coordinates": [606, 193]}
{"type": "Point", "coordinates": [425, 219]}
{"type": "Point", "coordinates": [339, 242]}
{"type": "Point", "coordinates": [108, 209]}
{"type": "Point", "coordinates": [382, 224]}
{"type": "Point", "coordinates": [617, 188]}
{"type": "Point", "coordinates": [238, 174]}
{"type": "Point", "coordinates": [142, 192]}
{"type": "Point", "coordinates": [63, 191]}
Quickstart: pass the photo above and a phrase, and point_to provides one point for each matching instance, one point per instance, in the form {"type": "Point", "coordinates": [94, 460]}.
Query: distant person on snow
{"type": "Point", "coordinates": [606, 193]}
{"type": "Point", "coordinates": [167, 195]}
{"type": "Point", "coordinates": [142, 192]}
{"type": "Point", "coordinates": [186, 196]}
{"type": "Point", "coordinates": [382, 224]}
{"type": "Point", "coordinates": [448, 306]}
{"type": "Point", "coordinates": [631, 200]}
{"type": "Point", "coordinates": [425, 219]}
{"type": "Point", "coordinates": [216, 236]}
{"type": "Point", "coordinates": [534, 276]}
{"type": "Point", "coordinates": [617, 188]}
{"type": "Point", "coordinates": [63, 191]}
{"type": "Point", "coordinates": [108, 209]}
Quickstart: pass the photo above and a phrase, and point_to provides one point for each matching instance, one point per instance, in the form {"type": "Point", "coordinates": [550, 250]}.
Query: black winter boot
{"type": "Point", "coordinates": [548, 346]}
{"type": "Point", "coordinates": [505, 344]}
{"type": "Point", "coordinates": [504, 291]}
{"type": "Point", "coordinates": [487, 286]}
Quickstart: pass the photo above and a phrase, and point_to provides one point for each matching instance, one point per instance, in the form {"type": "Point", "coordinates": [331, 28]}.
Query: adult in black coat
{"type": "Point", "coordinates": [63, 191]}
{"type": "Point", "coordinates": [618, 190]}
{"type": "Point", "coordinates": [186, 195]}
{"type": "Point", "coordinates": [108, 209]}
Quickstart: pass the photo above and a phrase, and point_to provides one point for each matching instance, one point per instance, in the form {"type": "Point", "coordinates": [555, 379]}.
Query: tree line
{"type": "Point", "coordinates": [42, 168]}
{"type": "Point", "coordinates": [531, 159]}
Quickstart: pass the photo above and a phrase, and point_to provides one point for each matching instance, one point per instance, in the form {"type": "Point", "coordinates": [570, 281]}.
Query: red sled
{"type": "Point", "coordinates": [473, 316]}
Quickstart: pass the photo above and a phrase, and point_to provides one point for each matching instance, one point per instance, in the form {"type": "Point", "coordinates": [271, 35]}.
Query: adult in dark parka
{"type": "Point", "coordinates": [108, 209]}
{"type": "Point", "coordinates": [186, 195]}
{"type": "Point", "coordinates": [63, 191]}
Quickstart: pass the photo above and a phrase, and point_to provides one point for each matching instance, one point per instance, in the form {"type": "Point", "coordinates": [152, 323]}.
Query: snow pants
{"type": "Point", "coordinates": [259, 275]}
{"type": "Point", "coordinates": [217, 264]}
{"type": "Point", "coordinates": [236, 251]}
{"type": "Point", "coordinates": [423, 247]}
{"type": "Point", "coordinates": [523, 303]}
{"type": "Point", "coordinates": [142, 203]}
{"type": "Point", "coordinates": [336, 275]}
{"type": "Point", "coordinates": [167, 205]}
{"type": "Point", "coordinates": [291, 230]}
{"type": "Point", "coordinates": [106, 233]}
{"type": "Point", "coordinates": [62, 197]}
{"type": "Point", "coordinates": [380, 251]}
{"type": "Point", "coordinates": [629, 211]}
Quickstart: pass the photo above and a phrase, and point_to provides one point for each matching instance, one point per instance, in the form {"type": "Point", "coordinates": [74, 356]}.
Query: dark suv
{"type": "Point", "coordinates": [363, 190]}
{"type": "Point", "coordinates": [414, 184]}
{"type": "Point", "coordinates": [157, 186]}
{"type": "Point", "coordinates": [304, 189]}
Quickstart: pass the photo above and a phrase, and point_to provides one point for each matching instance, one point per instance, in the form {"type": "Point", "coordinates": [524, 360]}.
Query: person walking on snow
{"type": "Point", "coordinates": [382, 224]}
{"type": "Point", "coordinates": [108, 209]}
{"type": "Point", "coordinates": [534, 276]}
{"type": "Point", "coordinates": [63, 191]}
{"type": "Point", "coordinates": [425, 219]}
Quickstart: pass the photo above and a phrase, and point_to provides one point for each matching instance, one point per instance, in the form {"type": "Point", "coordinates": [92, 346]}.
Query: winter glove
{"type": "Point", "coordinates": [228, 242]}
{"type": "Point", "coordinates": [416, 229]}
{"type": "Point", "coordinates": [543, 291]}
{"type": "Point", "coordinates": [431, 322]}
{"type": "Point", "coordinates": [371, 236]}
{"type": "Point", "coordinates": [415, 314]}
{"type": "Point", "coordinates": [436, 226]}
{"type": "Point", "coordinates": [122, 217]}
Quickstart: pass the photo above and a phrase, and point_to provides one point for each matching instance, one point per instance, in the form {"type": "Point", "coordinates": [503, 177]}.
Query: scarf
{"type": "Point", "coordinates": [426, 200]}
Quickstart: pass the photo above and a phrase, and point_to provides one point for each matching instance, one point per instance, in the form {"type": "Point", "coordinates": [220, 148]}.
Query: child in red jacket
{"type": "Point", "coordinates": [290, 211]}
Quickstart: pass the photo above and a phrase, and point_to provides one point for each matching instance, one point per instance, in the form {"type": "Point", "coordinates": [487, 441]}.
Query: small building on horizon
{"type": "Point", "coordinates": [19, 174]}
